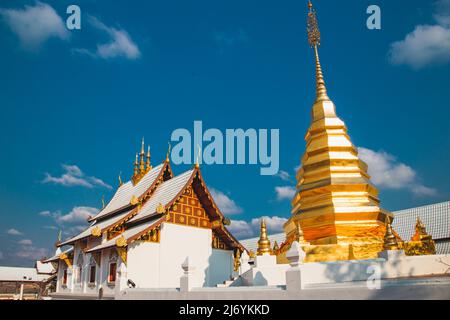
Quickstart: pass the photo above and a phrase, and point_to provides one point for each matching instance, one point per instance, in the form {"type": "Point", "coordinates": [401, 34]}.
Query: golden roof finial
{"type": "Point", "coordinates": [142, 155]}
{"type": "Point", "coordinates": [168, 152]}
{"type": "Point", "coordinates": [148, 166]}
{"type": "Point", "coordinates": [314, 42]}
{"type": "Point", "coordinates": [120, 179]}
{"type": "Point", "coordinates": [264, 242]}
{"type": "Point", "coordinates": [197, 165]}
{"type": "Point", "coordinates": [136, 166]}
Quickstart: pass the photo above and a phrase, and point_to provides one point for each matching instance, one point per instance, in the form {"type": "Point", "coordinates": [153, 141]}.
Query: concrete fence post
{"type": "Point", "coordinates": [187, 279]}
{"type": "Point", "coordinates": [296, 256]}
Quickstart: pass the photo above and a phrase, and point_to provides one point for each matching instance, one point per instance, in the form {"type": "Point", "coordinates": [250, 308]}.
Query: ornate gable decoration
{"type": "Point", "coordinates": [195, 207]}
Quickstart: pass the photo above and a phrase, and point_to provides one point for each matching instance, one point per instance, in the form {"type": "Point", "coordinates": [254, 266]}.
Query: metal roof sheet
{"type": "Point", "coordinates": [436, 218]}
{"type": "Point", "coordinates": [126, 191]}
{"type": "Point", "coordinates": [21, 274]}
{"type": "Point", "coordinates": [102, 224]}
{"type": "Point", "coordinates": [165, 192]}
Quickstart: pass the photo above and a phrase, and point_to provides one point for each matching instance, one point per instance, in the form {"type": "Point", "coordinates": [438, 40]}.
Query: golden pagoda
{"type": "Point", "coordinates": [336, 207]}
{"type": "Point", "coordinates": [264, 242]}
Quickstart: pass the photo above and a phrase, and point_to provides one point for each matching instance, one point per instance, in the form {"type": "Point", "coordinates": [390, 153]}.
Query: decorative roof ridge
{"type": "Point", "coordinates": [131, 238]}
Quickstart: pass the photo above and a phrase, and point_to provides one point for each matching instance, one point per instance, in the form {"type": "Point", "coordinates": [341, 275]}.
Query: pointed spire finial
{"type": "Point", "coordinates": [142, 155]}
{"type": "Point", "coordinates": [120, 179]}
{"type": "Point", "coordinates": [168, 152]}
{"type": "Point", "coordinates": [143, 146]}
{"type": "Point", "coordinates": [264, 242]}
{"type": "Point", "coordinates": [197, 165]}
{"type": "Point", "coordinates": [136, 167]}
{"type": "Point", "coordinates": [314, 42]}
{"type": "Point", "coordinates": [390, 241]}
{"type": "Point", "coordinates": [147, 164]}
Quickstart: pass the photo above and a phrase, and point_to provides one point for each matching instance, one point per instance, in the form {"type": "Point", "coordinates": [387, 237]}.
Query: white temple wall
{"type": "Point", "coordinates": [142, 264]}
{"type": "Point", "coordinates": [77, 272]}
{"type": "Point", "coordinates": [221, 266]}
{"type": "Point", "coordinates": [59, 283]}
{"type": "Point", "coordinates": [178, 242]}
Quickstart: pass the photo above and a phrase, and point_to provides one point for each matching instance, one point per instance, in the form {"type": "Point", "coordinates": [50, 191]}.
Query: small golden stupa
{"type": "Point", "coordinates": [336, 207]}
{"type": "Point", "coordinates": [264, 242]}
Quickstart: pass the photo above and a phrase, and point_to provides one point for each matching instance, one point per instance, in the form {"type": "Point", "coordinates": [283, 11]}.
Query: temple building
{"type": "Point", "coordinates": [162, 236]}
{"type": "Point", "coordinates": [152, 224]}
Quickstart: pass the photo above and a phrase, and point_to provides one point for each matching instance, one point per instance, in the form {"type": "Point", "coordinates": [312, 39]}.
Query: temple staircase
{"type": "Point", "coordinates": [233, 281]}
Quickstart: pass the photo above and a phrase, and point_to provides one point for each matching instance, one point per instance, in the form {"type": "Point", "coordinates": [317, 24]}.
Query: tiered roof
{"type": "Point", "coordinates": [139, 206]}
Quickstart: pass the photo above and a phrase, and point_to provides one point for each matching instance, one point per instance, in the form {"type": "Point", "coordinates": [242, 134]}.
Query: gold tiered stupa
{"type": "Point", "coordinates": [335, 212]}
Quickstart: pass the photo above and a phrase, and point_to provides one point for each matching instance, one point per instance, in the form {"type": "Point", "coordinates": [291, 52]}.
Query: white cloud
{"type": "Point", "coordinates": [14, 232]}
{"type": "Point", "coordinates": [73, 176]}
{"type": "Point", "coordinates": [274, 224]}
{"type": "Point", "coordinates": [283, 175]}
{"type": "Point", "coordinates": [35, 24]}
{"type": "Point", "coordinates": [427, 44]}
{"type": "Point", "coordinates": [1, 255]}
{"type": "Point", "coordinates": [120, 43]}
{"type": "Point", "coordinates": [284, 193]}
{"type": "Point", "coordinates": [387, 172]}
{"type": "Point", "coordinates": [31, 253]}
{"type": "Point", "coordinates": [225, 204]}
{"type": "Point", "coordinates": [242, 229]}
{"type": "Point", "coordinates": [26, 242]}
{"type": "Point", "coordinates": [442, 12]}
{"type": "Point", "coordinates": [76, 215]}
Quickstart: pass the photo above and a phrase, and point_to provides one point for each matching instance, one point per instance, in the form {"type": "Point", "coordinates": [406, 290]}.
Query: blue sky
{"type": "Point", "coordinates": [75, 104]}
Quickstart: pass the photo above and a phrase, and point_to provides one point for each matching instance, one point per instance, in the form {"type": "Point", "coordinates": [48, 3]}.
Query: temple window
{"type": "Point", "coordinates": [112, 266]}
{"type": "Point", "coordinates": [79, 269]}
{"type": "Point", "coordinates": [112, 272]}
{"type": "Point", "coordinates": [64, 279]}
{"type": "Point", "coordinates": [92, 273]}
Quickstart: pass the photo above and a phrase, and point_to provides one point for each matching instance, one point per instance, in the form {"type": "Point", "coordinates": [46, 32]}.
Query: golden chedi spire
{"type": "Point", "coordinates": [314, 42]}
{"type": "Point", "coordinates": [390, 241]}
{"type": "Point", "coordinates": [335, 202]}
{"type": "Point", "coordinates": [264, 242]}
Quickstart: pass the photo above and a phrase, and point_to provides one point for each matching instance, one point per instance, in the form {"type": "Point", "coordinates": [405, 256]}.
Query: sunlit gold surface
{"type": "Point", "coordinates": [421, 242]}
{"type": "Point", "coordinates": [390, 241]}
{"type": "Point", "coordinates": [96, 231]}
{"type": "Point", "coordinates": [121, 242]}
{"type": "Point", "coordinates": [335, 205]}
{"type": "Point", "coordinates": [264, 242]}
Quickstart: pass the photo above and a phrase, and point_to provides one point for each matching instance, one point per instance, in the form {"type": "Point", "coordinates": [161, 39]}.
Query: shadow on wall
{"type": "Point", "coordinates": [259, 279]}
{"type": "Point", "coordinates": [367, 273]}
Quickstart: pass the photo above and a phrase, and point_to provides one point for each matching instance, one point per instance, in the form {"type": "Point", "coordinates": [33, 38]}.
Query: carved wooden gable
{"type": "Point", "coordinates": [189, 211]}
